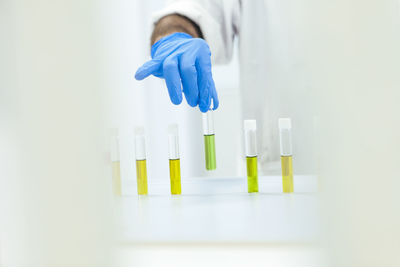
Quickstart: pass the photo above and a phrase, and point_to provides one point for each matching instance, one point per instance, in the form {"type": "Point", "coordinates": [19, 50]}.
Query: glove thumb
{"type": "Point", "coordinates": [148, 68]}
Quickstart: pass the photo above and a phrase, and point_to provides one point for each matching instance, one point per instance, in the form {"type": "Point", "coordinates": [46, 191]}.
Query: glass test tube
{"type": "Point", "coordinates": [115, 163]}
{"type": "Point", "coordinates": [285, 128]}
{"type": "Point", "coordinates": [140, 153]}
{"type": "Point", "coordinates": [174, 161]}
{"type": "Point", "coordinates": [250, 128]}
{"type": "Point", "coordinates": [209, 140]}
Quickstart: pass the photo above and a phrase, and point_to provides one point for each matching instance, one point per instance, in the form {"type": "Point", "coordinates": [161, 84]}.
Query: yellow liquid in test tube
{"type": "Point", "coordinates": [252, 176]}
{"type": "Point", "coordinates": [115, 162]}
{"type": "Point", "coordinates": [285, 133]}
{"type": "Point", "coordinates": [141, 169]}
{"type": "Point", "coordinates": [250, 140]}
{"type": "Point", "coordinates": [287, 174]}
{"type": "Point", "coordinates": [175, 176]}
{"type": "Point", "coordinates": [141, 174]}
{"type": "Point", "coordinates": [116, 178]}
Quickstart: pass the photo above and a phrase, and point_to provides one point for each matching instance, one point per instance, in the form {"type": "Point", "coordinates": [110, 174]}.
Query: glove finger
{"type": "Point", "coordinates": [204, 95]}
{"type": "Point", "coordinates": [148, 68]}
{"type": "Point", "coordinates": [204, 78]}
{"type": "Point", "coordinates": [188, 73]}
{"type": "Point", "coordinates": [214, 96]}
{"type": "Point", "coordinates": [173, 79]}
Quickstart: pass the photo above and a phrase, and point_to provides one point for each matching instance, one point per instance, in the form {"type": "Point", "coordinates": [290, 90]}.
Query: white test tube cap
{"type": "Point", "coordinates": [173, 141]}
{"type": "Point", "coordinates": [114, 145]}
{"type": "Point", "coordinates": [208, 123]}
{"type": "Point", "coordinates": [285, 133]}
{"type": "Point", "coordinates": [140, 144]}
{"type": "Point", "coordinates": [285, 123]}
{"type": "Point", "coordinates": [250, 137]}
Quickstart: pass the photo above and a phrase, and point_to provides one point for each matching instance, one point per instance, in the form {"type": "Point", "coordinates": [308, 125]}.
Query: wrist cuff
{"type": "Point", "coordinates": [174, 36]}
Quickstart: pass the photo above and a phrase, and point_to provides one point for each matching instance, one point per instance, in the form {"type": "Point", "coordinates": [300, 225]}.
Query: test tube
{"type": "Point", "coordinates": [250, 128]}
{"type": "Point", "coordinates": [285, 128]}
{"type": "Point", "coordinates": [209, 140]}
{"type": "Point", "coordinates": [174, 161]}
{"type": "Point", "coordinates": [140, 153]}
{"type": "Point", "coordinates": [115, 163]}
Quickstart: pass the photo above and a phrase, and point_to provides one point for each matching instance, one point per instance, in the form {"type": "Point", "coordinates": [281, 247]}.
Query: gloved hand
{"type": "Point", "coordinates": [180, 58]}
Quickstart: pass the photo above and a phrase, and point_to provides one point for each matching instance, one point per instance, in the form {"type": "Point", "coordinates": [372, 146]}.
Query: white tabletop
{"type": "Point", "coordinates": [220, 210]}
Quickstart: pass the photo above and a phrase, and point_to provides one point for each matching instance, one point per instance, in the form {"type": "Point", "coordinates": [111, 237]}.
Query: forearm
{"type": "Point", "coordinates": [174, 23]}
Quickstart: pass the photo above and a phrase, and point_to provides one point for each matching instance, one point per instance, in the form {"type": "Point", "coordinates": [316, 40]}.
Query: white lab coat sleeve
{"type": "Point", "coordinates": [219, 21]}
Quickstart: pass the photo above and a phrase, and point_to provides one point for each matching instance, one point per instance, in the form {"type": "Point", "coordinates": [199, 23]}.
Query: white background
{"type": "Point", "coordinates": [62, 61]}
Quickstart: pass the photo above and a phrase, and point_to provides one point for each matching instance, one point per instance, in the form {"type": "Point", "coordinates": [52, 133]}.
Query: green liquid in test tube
{"type": "Point", "coordinates": [209, 140]}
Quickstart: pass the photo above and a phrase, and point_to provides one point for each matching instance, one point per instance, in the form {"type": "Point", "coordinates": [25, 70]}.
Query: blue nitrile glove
{"type": "Point", "coordinates": [180, 58]}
